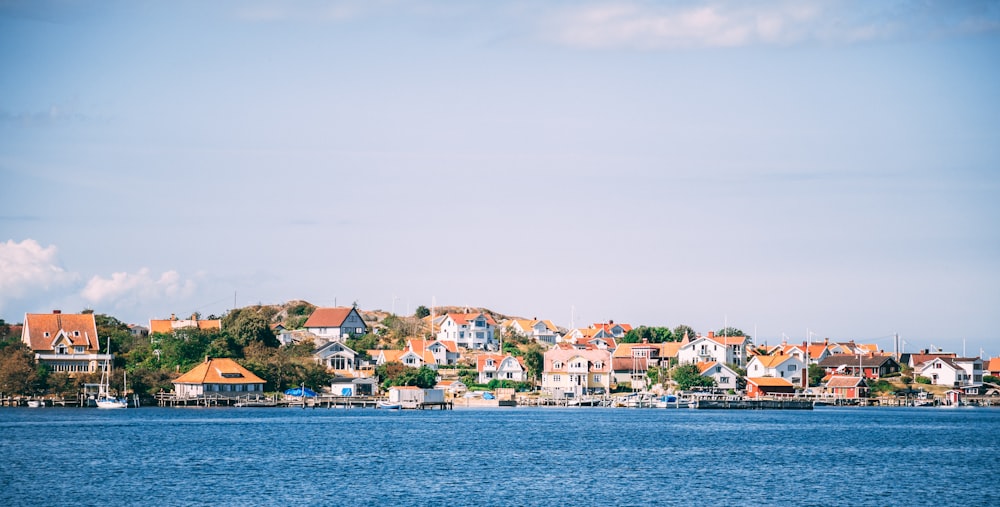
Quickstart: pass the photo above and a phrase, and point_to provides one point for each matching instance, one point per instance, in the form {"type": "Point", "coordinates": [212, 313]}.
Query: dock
{"type": "Point", "coordinates": [749, 404]}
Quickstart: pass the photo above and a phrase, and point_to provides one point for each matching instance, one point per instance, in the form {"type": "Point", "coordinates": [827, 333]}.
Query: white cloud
{"type": "Point", "coordinates": [723, 23]}
{"type": "Point", "coordinates": [125, 289]}
{"type": "Point", "coordinates": [27, 269]}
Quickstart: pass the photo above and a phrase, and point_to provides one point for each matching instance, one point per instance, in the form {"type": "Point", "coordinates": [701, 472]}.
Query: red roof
{"type": "Point", "coordinates": [80, 329]}
{"type": "Point", "coordinates": [328, 317]}
{"type": "Point", "coordinates": [219, 371]}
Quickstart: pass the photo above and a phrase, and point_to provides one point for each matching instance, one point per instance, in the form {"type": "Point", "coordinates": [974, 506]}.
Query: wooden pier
{"type": "Point", "coordinates": [748, 404]}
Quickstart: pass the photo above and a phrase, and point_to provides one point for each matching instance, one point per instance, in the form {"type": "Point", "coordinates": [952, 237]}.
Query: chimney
{"type": "Point", "coordinates": [208, 358]}
{"type": "Point", "coordinates": [826, 341]}
{"type": "Point", "coordinates": [645, 340]}
{"type": "Point", "coordinates": [56, 312]}
{"type": "Point", "coordinates": [173, 316]}
{"type": "Point", "coordinates": [711, 334]}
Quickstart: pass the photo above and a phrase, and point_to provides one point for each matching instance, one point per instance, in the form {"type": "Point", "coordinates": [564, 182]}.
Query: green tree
{"type": "Point", "coordinates": [650, 334]}
{"type": "Point", "coordinates": [534, 361]}
{"type": "Point", "coordinates": [688, 376]}
{"type": "Point", "coordinates": [682, 330]}
{"type": "Point", "coordinates": [395, 374]}
{"type": "Point", "coordinates": [730, 331]}
{"type": "Point", "coordinates": [18, 372]}
{"type": "Point", "coordinates": [422, 312]}
{"type": "Point", "coordinates": [249, 325]}
{"type": "Point", "coordinates": [816, 374]}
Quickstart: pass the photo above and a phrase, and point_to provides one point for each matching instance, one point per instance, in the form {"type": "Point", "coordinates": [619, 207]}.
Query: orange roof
{"type": "Point", "coordinates": [769, 382]}
{"type": "Point", "coordinates": [328, 317]}
{"type": "Point", "coordinates": [993, 365]}
{"type": "Point", "coordinates": [772, 361]}
{"type": "Point", "coordinates": [464, 318]}
{"type": "Point", "coordinates": [844, 381]}
{"type": "Point", "coordinates": [166, 326]}
{"type": "Point", "coordinates": [219, 371]}
{"type": "Point", "coordinates": [703, 366]}
{"type": "Point", "coordinates": [497, 360]}
{"type": "Point", "coordinates": [36, 325]}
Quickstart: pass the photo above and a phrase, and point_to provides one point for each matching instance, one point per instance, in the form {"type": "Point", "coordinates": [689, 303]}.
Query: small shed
{"type": "Point", "coordinates": [412, 397]}
{"type": "Point", "coordinates": [768, 386]}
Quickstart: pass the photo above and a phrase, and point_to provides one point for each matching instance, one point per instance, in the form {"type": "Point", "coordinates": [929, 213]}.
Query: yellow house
{"type": "Point", "coordinates": [218, 377]}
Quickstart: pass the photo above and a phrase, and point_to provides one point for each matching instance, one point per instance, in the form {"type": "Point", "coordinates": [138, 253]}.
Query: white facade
{"type": "Point", "coordinates": [468, 330]}
{"type": "Point", "coordinates": [492, 366]}
{"type": "Point", "coordinates": [954, 372]}
{"type": "Point", "coordinates": [778, 366]}
{"type": "Point", "coordinates": [724, 376]}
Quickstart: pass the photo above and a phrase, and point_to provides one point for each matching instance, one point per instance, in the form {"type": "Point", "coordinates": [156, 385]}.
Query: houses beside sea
{"type": "Point", "coordinates": [466, 351]}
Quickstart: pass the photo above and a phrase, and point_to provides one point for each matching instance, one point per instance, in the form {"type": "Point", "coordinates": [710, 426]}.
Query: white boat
{"type": "Point", "coordinates": [104, 398]}
{"type": "Point", "coordinates": [389, 405]}
{"type": "Point", "coordinates": [36, 403]}
{"type": "Point", "coordinates": [671, 401]}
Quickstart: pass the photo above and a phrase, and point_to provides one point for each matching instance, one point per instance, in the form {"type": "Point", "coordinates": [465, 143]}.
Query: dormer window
{"type": "Point", "coordinates": [61, 349]}
{"type": "Point", "coordinates": [78, 349]}
{"type": "Point", "coordinates": [47, 334]}
{"type": "Point", "coordinates": [557, 365]}
{"type": "Point", "coordinates": [76, 333]}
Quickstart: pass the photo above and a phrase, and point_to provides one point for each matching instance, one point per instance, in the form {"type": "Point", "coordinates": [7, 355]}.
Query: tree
{"type": "Point", "coordinates": [650, 334]}
{"type": "Point", "coordinates": [18, 372]}
{"type": "Point", "coordinates": [730, 331]}
{"type": "Point", "coordinates": [247, 325]}
{"type": "Point", "coordinates": [688, 376]}
{"type": "Point", "coordinates": [534, 361]}
{"type": "Point", "coordinates": [682, 330]}
{"type": "Point", "coordinates": [395, 374]}
{"type": "Point", "coordinates": [422, 312]}
{"type": "Point", "coordinates": [816, 374]}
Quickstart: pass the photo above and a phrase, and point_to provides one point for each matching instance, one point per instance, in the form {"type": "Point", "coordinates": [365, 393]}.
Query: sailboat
{"type": "Point", "coordinates": [104, 398]}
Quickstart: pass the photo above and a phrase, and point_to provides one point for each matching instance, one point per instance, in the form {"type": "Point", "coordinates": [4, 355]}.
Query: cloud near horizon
{"type": "Point", "coordinates": [28, 269]}
{"type": "Point", "coordinates": [125, 289]}
{"type": "Point", "coordinates": [721, 24]}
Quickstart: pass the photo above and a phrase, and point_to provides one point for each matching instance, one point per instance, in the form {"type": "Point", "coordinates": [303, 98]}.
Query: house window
{"type": "Point", "coordinates": [338, 363]}
{"type": "Point", "coordinates": [557, 378]}
{"type": "Point", "coordinates": [510, 375]}
{"type": "Point", "coordinates": [76, 333]}
{"type": "Point", "coordinates": [937, 365]}
{"type": "Point", "coordinates": [791, 367]}
{"type": "Point", "coordinates": [46, 334]}
{"type": "Point", "coordinates": [60, 349]}
{"type": "Point", "coordinates": [78, 349]}
{"type": "Point", "coordinates": [557, 365]}
{"type": "Point", "coordinates": [597, 378]}
{"type": "Point", "coordinates": [723, 380]}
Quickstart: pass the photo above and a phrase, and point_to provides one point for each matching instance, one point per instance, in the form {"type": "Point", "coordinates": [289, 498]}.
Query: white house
{"type": "Point", "coordinates": [778, 366]}
{"type": "Point", "coordinates": [336, 324]}
{"type": "Point", "coordinates": [336, 356]}
{"type": "Point", "coordinates": [495, 366]}
{"type": "Point", "coordinates": [539, 330]}
{"type": "Point", "coordinates": [724, 376]}
{"type": "Point", "coordinates": [444, 352]}
{"type": "Point", "coordinates": [721, 349]}
{"type": "Point", "coordinates": [405, 357]}
{"type": "Point", "coordinates": [952, 371]}
{"type": "Point", "coordinates": [468, 330]}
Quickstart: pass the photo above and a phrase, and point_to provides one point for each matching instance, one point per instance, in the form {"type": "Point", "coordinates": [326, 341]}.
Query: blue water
{"type": "Point", "coordinates": [522, 456]}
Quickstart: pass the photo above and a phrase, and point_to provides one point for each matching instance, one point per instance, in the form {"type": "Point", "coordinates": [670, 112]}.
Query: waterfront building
{"type": "Point", "coordinates": [496, 366]}
{"type": "Point", "coordinates": [724, 376]}
{"type": "Point", "coordinates": [631, 361]}
{"type": "Point", "coordinates": [768, 386]}
{"type": "Point", "coordinates": [543, 331]}
{"type": "Point", "coordinates": [336, 324]}
{"type": "Point", "coordinates": [721, 349]}
{"type": "Point", "coordinates": [445, 352]}
{"type": "Point", "coordinates": [222, 377]}
{"type": "Point", "coordinates": [64, 342]}
{"type": "Point", "coordinates": [406, 357]}
{"type": "Point", "coordinates": [337, 357]}
{"type": "Point", "coordinates": [572, 371]}
{"type": "Point", "coordinates": [845, 386]}
{"type": "Point", "coordinates": [779, 366]}
{"type": "Point", "coordinates": [952, 371]}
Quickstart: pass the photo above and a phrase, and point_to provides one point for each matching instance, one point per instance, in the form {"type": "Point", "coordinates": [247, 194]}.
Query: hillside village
{"type": "Point", "coordinates": [347, 351]}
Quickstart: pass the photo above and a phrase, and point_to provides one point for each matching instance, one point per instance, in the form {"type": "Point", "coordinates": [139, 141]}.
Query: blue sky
{"type": "Point", "coordinates": [786, 167]}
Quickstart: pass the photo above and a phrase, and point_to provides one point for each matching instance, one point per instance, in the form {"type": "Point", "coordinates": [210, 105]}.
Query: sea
{"type": "Point", "coordinates": [501, 456]}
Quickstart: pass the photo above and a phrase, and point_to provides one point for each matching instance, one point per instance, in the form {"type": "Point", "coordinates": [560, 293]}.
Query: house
{"type": "Point", "coordinates": [291, 336]}
{"type": "Point", "coordinates": [768, 386]}
{"type": "Point", "coordinates": [631, 361]}
{"type": "Point", "coordinates": [992, 367]}
{"type": "Point", "coordinates": [222, 377]}
{"type": "Point", "coordinates": [845, 386]}
{"type": "Point", "coordinates": [173, 324]}
{"type": "Point", "coordinates": [721, 349]}
{"type": "Point", "coordinates": [543, 331]}
{"type": "Point", "coordinates": [468, 330]}
{"type": "Point", "coordinates": [336, 324]}
{"type": "Point", "coordinates": [724, 376]}
{"type": "Point", "coordinates": [778, 366]}
{"type": "Point", "coordinates": [64, 342]}
{"type": "Point", "coordinates": [952, 371]}
{"type": "Point", "coordinates": [874, 366]}
{"type": "Point", "coordinates": [405, 357]}
{"type": "Point", "coordinates": [575, 372]}
{"type": "Point", "coordinates": [612, 329]}
{"type": "Point", "coordinates": [811, 353]}
{"type": "Point", "coordinates": [444, 352]}
{"type": "Point", "coordinates": [336, 356]}
{"type": "Point", "coordinates": [138, 331]}
{"type": "Point", "coordinates": [355, 384]}
{"type": "Point", "coordinates": [495, 366]}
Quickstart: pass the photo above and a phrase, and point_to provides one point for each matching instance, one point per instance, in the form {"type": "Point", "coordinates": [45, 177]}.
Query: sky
{"type": "Point", "coordinates": [799, 170]}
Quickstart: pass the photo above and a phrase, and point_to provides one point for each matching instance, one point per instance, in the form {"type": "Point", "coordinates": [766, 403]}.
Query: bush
{"type": "Point", "coordinates": [923, 380]}
{"type": "Point", "coordinates": [991, 379]}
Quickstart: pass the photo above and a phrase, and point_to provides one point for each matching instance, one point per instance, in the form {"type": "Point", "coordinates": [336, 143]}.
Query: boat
{"type": "Point", "coordinates": [36, 403]}
{"type": "Point", "coordinates": [389, 405]}
{"type": "Point", "coordinates": [671, 401]}
{"type": "Point", "coordinates": [104, 398]}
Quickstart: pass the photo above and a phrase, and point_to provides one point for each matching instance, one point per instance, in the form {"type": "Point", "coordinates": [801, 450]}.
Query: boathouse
{"type": "Point", "coordinates": [221, 377]}
{"type": "Point", "coordinates": [768, 386]}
